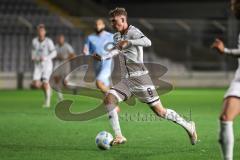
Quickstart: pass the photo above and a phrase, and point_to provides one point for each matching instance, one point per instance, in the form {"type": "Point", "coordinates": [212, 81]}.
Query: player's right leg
{"type": "Point", "coordinates": [110, 102]}
{"type": "Point", "coordinates": [231, 108]}
{"type": "Point", "coordinates": [36, 84]}
{"type": "Point", "coordinates": [118, 93]}
{"type": "Point", "coordinates": [37, 73]}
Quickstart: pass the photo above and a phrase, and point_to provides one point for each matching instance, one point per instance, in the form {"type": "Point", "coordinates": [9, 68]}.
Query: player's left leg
{"type": "Point", "coordinates": [36, 83]}
{"type": "Point", "coordinates": [57, 81]}
{"type": "Point", "coordinates": [144, 89]}
{"type": "Point", "coordinates": [103, 75]}
{"type": "Point", "coordinates": [173, 116]}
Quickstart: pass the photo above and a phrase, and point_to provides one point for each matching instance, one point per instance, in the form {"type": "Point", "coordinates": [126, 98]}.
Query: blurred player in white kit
{"type": "Point", "coordinates": [43, 51]}
{"type": "Point", "coordinates": [64, 52]}
{"type": "Point", "coordinates": [231, 103]}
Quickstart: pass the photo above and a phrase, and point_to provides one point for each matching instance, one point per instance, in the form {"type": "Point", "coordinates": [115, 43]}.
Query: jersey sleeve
{"type": "Point", "coordinates": [236, 51]}
{"type": "Point", "coordinates": [137, 38]}
{"type": "Point", "coordinates": [136, 34]}
{"type": "Point", "coordinates": [52, 50]}
{"type": "Point", "coordinates": [33, 51]}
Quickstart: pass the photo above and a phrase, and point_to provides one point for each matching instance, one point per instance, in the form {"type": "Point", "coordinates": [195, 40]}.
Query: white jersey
{"type": "Point", "coordinates": [135, 79]}
{"type": "Point", "coordinates": [44, 50]}
{"type": "Point", "coordinates": [64, 51]}
{"type": "Point", "coordinates": [42, 55]}
{"type": "Point", "coordinates": [131, 57]}
{"type": "Point", "coordinates": [234, 89]}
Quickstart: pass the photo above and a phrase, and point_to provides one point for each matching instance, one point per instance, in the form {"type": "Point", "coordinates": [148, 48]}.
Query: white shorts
{"type": "Point", "coordinates": [42, 71]}
{"type": "Point", "coordinates": [141, 87]}
{"type": "Point", "coordinates": [233, 90]}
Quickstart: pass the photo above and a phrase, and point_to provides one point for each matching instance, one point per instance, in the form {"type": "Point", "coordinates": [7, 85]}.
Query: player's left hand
{"type": "Point", "coordinates": [219, 45]}
{"type": "Point", "coordinates": [71, 56]}
{"type": "Point", "coordinates": [122, 44]}
{"type": "Point", "coordinates": [97, 57]}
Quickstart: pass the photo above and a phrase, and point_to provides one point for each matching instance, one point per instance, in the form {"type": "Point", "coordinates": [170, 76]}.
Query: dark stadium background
{"type": "Point", "coordinates": [181, 32]}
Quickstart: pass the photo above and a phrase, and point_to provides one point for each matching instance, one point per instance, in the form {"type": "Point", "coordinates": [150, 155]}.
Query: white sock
{"type": "Point", "coordinates": [60, 96]}
{"type": "Point", "coordinates": [226, 139]}
{"type": "Point", "coordinates": [48, 97]}
{"type": "Point", "coordinates": [176, 118]}
{"type": "Point", "coordinates": [113, 117]}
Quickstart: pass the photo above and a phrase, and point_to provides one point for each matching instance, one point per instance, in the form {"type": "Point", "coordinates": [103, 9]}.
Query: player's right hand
{"type": "Point", "coordinates": [42, 58]}
{"type": "Point", "coordinates": [219, 45]}
{"type": "Point", "coordinates": [97, 57]}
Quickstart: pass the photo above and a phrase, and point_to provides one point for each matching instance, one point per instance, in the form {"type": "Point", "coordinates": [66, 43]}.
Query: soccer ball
{"type": "Point", "coordinates": [103, 140]}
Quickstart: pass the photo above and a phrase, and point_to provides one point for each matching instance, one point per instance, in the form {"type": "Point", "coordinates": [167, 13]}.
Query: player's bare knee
{"type": "Point", "coordinates": [36, 85]}
{"type": "Point", "coordinates": [225, 117]}
{"type": "Point", "coordinates": [110, 99]}
{"type": "Point", "coordinates": [45, 85]}
{"type": "Point", "coordinates": [159, 111]}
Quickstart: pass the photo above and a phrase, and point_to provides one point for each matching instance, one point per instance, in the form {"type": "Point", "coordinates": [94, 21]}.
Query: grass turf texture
{"type": "Point", "coordinates": [29, 132]}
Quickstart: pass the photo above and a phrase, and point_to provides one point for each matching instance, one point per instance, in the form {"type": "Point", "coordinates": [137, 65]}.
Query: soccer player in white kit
{"type": "Point", "coordinates": [43, 51]}
{"type": "Point", "coordinates": [231, 103]}
{"type": "Point", "coordinates": [64, 52]}
{"type": "Point", "coordinates": [135, 80]}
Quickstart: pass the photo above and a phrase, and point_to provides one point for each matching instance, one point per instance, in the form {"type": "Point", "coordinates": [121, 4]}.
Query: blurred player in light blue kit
{"type": "Point", "coordinates": [95, 44]}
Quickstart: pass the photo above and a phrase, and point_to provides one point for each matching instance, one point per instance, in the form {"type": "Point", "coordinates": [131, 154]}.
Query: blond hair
{"type": "Point", "coordinates": [118, 11]}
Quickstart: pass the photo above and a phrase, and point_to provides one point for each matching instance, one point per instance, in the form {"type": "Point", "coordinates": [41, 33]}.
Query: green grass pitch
{"type": "Point", "coordinates": [29, 132]}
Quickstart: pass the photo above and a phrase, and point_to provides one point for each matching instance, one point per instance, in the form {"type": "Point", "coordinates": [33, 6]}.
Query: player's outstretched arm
{"type": "Point", "coordinates": [219, 45]}
{"type": "Point", "coordinates": [111, 54]}
{"type": "Point", "coordinates": [33, 55]}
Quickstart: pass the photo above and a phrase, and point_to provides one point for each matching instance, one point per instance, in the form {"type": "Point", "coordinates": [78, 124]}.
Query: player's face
{"type": "Point", "coordinates": [41, 33]}
{"type": "Point", "coordinates": [235, 7]}
{"type": "Point", "coordinates": [61, 39]}
{"type": "Point", "coordinates": [99, 25]}
{"type": "Point", "coordinates": [118, 23]}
